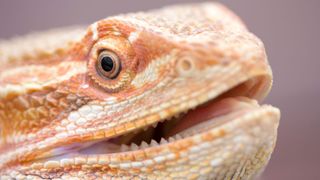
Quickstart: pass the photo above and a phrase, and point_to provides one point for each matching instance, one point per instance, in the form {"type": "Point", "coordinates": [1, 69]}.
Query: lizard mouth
{"type": "Point", "coordinates": [183, 125]}
{"type": "Point", "coordinates": [234, 103]}
{"type": "Point", "coordinates": [204, 128]}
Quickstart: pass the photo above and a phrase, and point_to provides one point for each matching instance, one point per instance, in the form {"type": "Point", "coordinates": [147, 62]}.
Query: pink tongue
{"type": "Point", "coordinates": [212, 110]}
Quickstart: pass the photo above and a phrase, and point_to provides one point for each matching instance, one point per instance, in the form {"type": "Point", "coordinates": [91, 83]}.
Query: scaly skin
{"type": "Point", "coordinates": [172, 60]}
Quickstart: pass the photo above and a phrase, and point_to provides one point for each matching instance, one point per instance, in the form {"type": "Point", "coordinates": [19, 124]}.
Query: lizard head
{"type": "Point", "coordinates": [151, 92]}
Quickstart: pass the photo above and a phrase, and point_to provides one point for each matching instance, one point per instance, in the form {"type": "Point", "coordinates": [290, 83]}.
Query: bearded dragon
{"type": "Point", "coordinates": [165, 94]}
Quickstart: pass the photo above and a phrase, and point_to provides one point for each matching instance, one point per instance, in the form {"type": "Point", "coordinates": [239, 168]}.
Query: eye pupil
{"type": "Point", "coordinates": [107, 63]}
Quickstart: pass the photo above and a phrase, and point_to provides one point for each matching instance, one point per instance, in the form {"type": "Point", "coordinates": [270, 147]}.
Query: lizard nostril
{"type": "Point", "coordinates": [185, 65]}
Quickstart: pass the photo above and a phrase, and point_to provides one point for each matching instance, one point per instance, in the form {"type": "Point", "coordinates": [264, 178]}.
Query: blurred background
{"type": "Point", "coordinates": [290, 30]}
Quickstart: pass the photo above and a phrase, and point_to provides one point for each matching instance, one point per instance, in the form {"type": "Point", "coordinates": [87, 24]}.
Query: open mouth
{"type": "Point", "coordinates": [202, 118]}
{"type": "Point", "coordinates": [195, 121]}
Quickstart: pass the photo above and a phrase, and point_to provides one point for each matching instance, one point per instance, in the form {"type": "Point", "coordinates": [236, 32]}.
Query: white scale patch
{"type": "Point", "coordinates": [85, 114]}
{"type": "Point", "coordinates": [133, 36]}
{"type": "Point", "coordinates": [151, 72]}
{"type": "Point", "coordinates": [94, 29]}
{"type": "Point", "coordinates": [37, 85]}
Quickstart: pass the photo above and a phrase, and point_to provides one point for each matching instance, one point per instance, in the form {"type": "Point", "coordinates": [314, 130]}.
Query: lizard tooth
{"type": "Point", "coordinates": [154, 143]}
{"type": "Point", "coordinates": [171, 139]}
{"type": "Point", "coordinates": [66, 162]}
{"type": "Point", "coordinates": [92, 160]}
{"type": "Point", "coordinates": [177, 136]}
{"type": "Point", "coordinates": [134, 147]}
{"type": "Point", "coordinates": [51, 164]}
{"type": "Point", "coordinates": [124, 147]}
{"type": "Point", "coordinates": [163, 141]}
{"type": "Point", "coordinates": [37, 165]}
{"type": "Point", "coordinates": [80, 160]}
{"type": "Point", "coordinates": [155, 124]}
{"type": "Point", "coordinates": [145, 128]}
{"type": "Point", "coordinates": [144, 144]}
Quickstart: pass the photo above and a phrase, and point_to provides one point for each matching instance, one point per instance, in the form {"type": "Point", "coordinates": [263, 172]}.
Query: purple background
{"type": "Point", "coordinates": [290, 30]}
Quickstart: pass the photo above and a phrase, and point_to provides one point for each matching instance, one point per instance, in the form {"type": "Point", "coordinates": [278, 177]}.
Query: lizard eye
{"type": "Point", "coordinates": [111, 63]}
{"type": "Point", "coordinates": [108, 64]}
